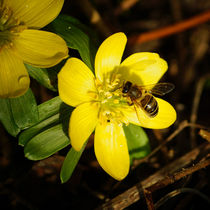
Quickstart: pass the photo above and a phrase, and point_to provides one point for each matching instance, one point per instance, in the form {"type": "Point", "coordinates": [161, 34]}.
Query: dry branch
{"type": "Point", "coordinates": [182, 125]}
{"type": "Point", "coordinates": [160, 179]}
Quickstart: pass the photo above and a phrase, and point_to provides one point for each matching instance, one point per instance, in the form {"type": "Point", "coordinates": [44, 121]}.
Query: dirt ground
{"type": "Point", "coordinates": [176, 175]}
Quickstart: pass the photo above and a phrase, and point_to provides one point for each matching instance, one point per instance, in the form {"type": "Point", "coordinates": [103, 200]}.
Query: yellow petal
{"type": "Point", "coordinates": [76, 83]}
{"type": "Point", "coordinates": [166, 116]}
{"type": "Point", "coordinates": [14, 79]}
{"type": "Point", "coordinates": [35, 13]}
{"type": "Point", "coordinates": [109, 54]}
{"type": "Point", "coordinates": [40, 48]}
{"type": "Point", "coordinates": [111, 150]}
{"type": "Point", "coordinates": [82, 123]}
{"type": "Point", "coordinates": [143, 68]}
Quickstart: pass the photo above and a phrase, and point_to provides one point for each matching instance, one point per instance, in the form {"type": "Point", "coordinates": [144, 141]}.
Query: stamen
{"type": "Point", "coordinates": [108, 95]}
{"type": "Point", "coordinates": [116, 101]}
{"type": "Point", "coordinates": [10, 26]}
{"type": "Point", "coordinates": [93, 94]}
{"type": "Point", "coordinates": [5, 14]}
{"type": "Point", "coordinates": [111, 100]}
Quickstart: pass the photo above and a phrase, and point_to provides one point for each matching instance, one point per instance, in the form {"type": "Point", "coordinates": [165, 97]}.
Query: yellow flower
{"type": "Point", "coordinates": [21, 42]}
{"type": "Point", "coordinates": [101, 106]}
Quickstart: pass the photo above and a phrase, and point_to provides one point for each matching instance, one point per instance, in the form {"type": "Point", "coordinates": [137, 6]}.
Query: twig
{"type": "Point", "coordinates": [205, 134]}
{"type": "Point", "coordinates": [173, 178]}
{"type": "Point", "coordinates": [164, 150]}
{"type": "Point", "coordinates": [179, 191]}
{"type": "Point", "coordinates": [177, 176]}
{"type": "Point", "coordinates": [188, 198]}
{"type": "Point", "coordinates": [176, 10]}
{"type": "Point", "coordinates": [176, 165]}
{"type": "Point", "coordinates": [196, 101]}
{"type": "Point", "coordinates": [132, 195]}
{"type": "Point", "coordinates": [183, 124]}
{"type": "Point", "coordinates": [169, 30]}
{"type": "Point", "coordinates": [200, 44]}
{"type": "Point", "coordinates": [149, 201]}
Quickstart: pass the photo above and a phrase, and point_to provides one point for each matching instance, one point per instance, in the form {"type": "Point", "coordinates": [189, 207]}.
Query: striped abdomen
{"type": "Point", "coordinates": [149, 104]}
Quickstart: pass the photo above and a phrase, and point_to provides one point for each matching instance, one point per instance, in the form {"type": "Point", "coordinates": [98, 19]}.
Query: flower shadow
{"type": "Point", "coordinates": [128, 75]}
{"type": "Point", "coordinates": [65, 113]}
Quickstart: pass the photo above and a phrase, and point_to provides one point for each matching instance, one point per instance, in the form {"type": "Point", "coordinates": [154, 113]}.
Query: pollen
{"type": "Point", "coordinates": [116, 101]}
{"type": "Point", "coordinates": [9, 26]}
{"type": "Point", "coordinates": [110, 99]}
{"type": "Point", "coordinates": [108, 95]}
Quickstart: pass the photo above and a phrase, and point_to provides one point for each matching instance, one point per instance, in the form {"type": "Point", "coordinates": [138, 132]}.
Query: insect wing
{"type": "Point", "coordinates": [159, 89]}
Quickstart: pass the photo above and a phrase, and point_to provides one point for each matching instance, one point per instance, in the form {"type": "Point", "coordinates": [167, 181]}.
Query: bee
{"type": "Point", "coordinates": [142, 96]}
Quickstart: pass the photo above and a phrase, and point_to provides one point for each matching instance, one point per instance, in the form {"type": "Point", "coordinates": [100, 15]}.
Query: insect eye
{"type": "Point", "coordinates": [126, 87]}
{"type": "Point", "coordinates": [125, 90]}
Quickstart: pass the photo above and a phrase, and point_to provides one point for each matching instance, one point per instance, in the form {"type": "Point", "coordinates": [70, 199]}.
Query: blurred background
{"type": "Point", "coordinates": [179, 31]}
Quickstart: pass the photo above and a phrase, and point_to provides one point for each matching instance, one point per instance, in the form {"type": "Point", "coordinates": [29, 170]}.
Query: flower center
{"type": "Point", "coordinates": [10, 26]}
{"type": "Point", "coordinates": [111, 99]}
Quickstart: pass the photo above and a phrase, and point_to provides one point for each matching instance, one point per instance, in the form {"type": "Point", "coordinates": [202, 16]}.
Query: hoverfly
{"type": "Point", "coordinates": [142, 96]}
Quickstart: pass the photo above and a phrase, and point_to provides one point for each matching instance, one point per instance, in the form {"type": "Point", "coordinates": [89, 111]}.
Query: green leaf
{"type": "Point", "coordinates": [75, 35]}
{"type": "Point", "coordinates": [62, 116]}
{"type": "Point", "coordinates": [6, 117]}
{"type": "Point", "coordinates": [52, 113]}
{"type": "Point", "coordinates": [49, 108]}
{"type": "Point", "coordinates": [70, 163]}
{"type": "Point", "coordinates": [46, 77]}
{"type": "Point", "coordinates": [138, 141]}
{"type": "Point", "coordinates": [26, 135]}
{"type": "Point", "coordinates": [48, 116]}
{"type": "Point", "coordinates": [24, 110]}
{"type": "Point", "coordinates": [46, 143]}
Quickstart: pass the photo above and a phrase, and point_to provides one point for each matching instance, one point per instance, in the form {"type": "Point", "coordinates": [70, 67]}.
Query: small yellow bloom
{"type": "Point", "coordinates": [21, 42]}
{"type": "Point", "coordinates": [101, 106]}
